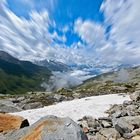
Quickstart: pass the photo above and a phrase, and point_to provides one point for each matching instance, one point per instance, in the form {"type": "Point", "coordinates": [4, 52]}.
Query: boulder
{"type": "Point", "coordinates": [132, 107]}
{"type": "Point", "coordinates": [136, 138]}
{"type": "Point", "coordinates": [10, 122]}
{"type": "Point", "coordinates": [32, 105]}
{"type": "Point", "coordinates": [119, 113]}
{"type": "Point", "coordinates": [135, 96]}
{"type": "Point", "coordinates": [127, 102]}
{"type": "Point", "coordinates": [109, 133]}
{"type": "Point", "coordinates": [126, 125]}
{"type": "Point", "coordinates": [105, 119]}
{"type": "Point", "coordinates": [119, 89]}
{"type": "Point", "coordinates": [136, 132]}
{"type": "Point", "coordinates": [58, 97]}
{"type": "Point", "coordinates": [113, 109]}
{"type": "Point", "coordinates": [122, 126]}
{"type": "Point", "coordinates": [6, 106]}
{"type": "Point", "coordinates": [99, 137]}
{"type": "Point", "coordinates": [133, 120]}
{"type": "Point", "coordinates": [50, 128]}
{"type": "Point", "coordinates": [106, 124]}
{"type": "Point", "coordinates": [91, 122]}
{"type": "Point", "coordinates": [2, 137]}
{"type": "Point", "coordinates": [8, 109]}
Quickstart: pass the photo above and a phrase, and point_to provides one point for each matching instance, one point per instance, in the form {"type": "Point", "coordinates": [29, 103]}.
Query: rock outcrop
{"type": "Point", "coordinates": [10, 122]}
{"type": "Point", "coordinates": [123, 122]}
{"type": "Point", "coordinates": [49, 128]}
{"type": "Point", "coordinates": [135, 96]}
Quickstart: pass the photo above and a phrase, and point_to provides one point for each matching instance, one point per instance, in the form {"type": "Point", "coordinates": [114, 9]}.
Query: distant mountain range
{"type": "Point", "coordinates": [98, 69]}
{"type": "Point", "coordinates": [53, 65]}
{"type": "Point", "coordinates": [18, 76]}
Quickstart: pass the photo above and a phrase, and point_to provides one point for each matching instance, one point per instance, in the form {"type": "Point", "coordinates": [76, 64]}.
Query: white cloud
{"type": "Point", "coordinates": [90, 32]}
{"type": "Point", "coordinates": [31, 39]}
{"type": "Point", "coordinates": [123, 43]}
{"type": "Point", "coordinates": [124, 17]}
{"type": "Point", "coordinates": [66, 80]}
{"type": "Point", "coordinates": [24, 38]}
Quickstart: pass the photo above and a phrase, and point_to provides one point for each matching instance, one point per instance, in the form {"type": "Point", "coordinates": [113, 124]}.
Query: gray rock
{"type": "Point", "coordinates": [133, 120]}
{"type": "Point", "coordinates": [58, 97]}
{"type": "Point", "coordinates": [106, 124]}
{"type": "Point", "coordinates": [122, 126]}
{"type": "Point", "coordinates": [119, 89]}
{"type": "Point", "coordinates": [99, 136]}
{"type": "Point", "coordinates": [21, 98]}
{"type": "Point", "coordinates": [127, 135]}
{"type": "Point", "coordinates": [136, 132]}
{"type": "Point", "coordinates": [135, 96]}
{"type": "Point", "coordinates": [32, 105]}
{"type": "Point", "coordinates": [109, 133]}
{"type": "Point", "coordinates": [131, 113]}
{"type": "Point", "coordinates": [7, 108]}
{"type": "Point", "coordinates": [119, 113]}
{"type": "Point", "coordinates": [114, 108]}
{"type": "Point", "coordinates": [90, 121]}
{"type": "Point", "coordinates": [131, 107]}
{"type": "Point", "coordinates": [50, 128]}
{"type": "Point", "coordinates": [2, 137]}
{"type": "Point", "coordinates": [127, 102]}
{"type": "Point", "coordinates": [105, 118]}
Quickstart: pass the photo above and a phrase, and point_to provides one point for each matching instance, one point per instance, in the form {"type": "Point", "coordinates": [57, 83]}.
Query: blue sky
{"type": "Point", "coordinates": [63, 12]}
{"type": "Point", "coordinates": [83, 32]}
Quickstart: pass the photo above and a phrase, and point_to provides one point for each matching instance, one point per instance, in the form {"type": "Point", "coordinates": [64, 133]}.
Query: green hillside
{"type": "Point", "coordinates": [18, 77]}
{"type": "Point", "coordinates": [123, 80]}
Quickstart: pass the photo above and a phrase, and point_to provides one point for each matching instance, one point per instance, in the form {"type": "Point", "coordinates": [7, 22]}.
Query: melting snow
{"type": "Point", "coordinates": [76, 109]}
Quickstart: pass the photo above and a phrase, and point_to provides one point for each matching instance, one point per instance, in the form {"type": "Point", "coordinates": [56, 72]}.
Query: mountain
{"type": "Point", "coordinates": [53, 65]}
{"type": "Point", "coordinates": [7, 57]}
{"type": "Point", "coordinates": [121, 80]}
{"type": "Point", "coordinates": [18, 76]}
{"type": "Point", "coordinates": [97, 69]}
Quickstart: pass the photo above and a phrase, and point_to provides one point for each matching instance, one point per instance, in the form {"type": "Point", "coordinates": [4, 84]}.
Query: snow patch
{"type": "Point", "coordinates": [76, 109]}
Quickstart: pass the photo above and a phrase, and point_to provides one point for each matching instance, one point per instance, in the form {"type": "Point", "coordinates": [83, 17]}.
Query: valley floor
{"type": "Point", "coordinates": [94, 106]}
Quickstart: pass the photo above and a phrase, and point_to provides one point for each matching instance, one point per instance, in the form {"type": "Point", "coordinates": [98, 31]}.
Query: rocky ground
{"type": "Point", "coordinates": [33, 100]}
{"type": "Point", "coordinates": [120, 81]}
{"type": "Point", "coordinates": [122, 123]}
{"type": "Point", "coordinates": [47, 128]}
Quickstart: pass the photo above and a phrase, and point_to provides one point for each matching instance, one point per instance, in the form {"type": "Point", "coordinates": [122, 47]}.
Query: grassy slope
{"type": "Point", "coordinates": [112, 82]}
{"type": "Point", "coordinates": [21, 77]}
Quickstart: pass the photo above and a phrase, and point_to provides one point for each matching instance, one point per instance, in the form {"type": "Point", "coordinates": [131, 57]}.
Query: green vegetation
{"type": "Point", "coordinates": [124, 80]}
{"type": "Point", "coordinates": [17, 77]}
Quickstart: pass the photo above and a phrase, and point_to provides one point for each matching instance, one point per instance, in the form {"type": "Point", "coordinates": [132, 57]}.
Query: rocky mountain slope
{"type": "Point", "coordinates": [20, 76]}
{"type": "Point", "coordinates": [123, 80]}
{"type": "Point", "coordinates": [122, 123]}
{"type": "Point", "coordinates": [53, 65]}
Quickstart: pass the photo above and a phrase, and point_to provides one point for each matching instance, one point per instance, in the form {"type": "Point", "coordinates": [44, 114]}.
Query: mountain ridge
{"type": "Point", "coordinates": [53, 65]}
{"type": "Point", "coordinates": [20, 76]}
